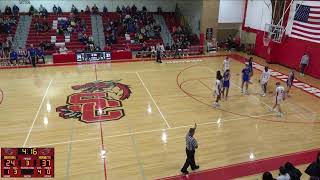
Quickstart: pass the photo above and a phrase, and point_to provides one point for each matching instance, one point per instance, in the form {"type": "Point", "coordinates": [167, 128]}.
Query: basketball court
{"type": "Point", "coordinates": [131, 123]}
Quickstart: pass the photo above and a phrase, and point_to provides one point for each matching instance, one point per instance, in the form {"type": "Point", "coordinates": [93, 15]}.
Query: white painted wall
{"type": "Point", "coordinates": [152, 5]}
{"type": "Point", "coordinates": [191, 10]}
{"type": "Point", "coordinates": [259, 12]}
{"type": "Point", "coordinates": [231, 11]}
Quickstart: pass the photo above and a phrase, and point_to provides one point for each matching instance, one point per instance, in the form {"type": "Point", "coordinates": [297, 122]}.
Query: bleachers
{"type": "Point", "coordinates": [35, 37]}
{"type": "Point", "coordinates": [74, 44]}
{"type": "Point", "coordinates": [3, 36]}
{"type": "Point", "coordinates": [173, 23]}
{"type": "Point", "coordinates": [122, 42]}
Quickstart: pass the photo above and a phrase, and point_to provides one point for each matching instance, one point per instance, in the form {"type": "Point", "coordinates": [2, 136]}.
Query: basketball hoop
{"type": "Point", "coordinates": [269, 50]}
{"type": "Point", "coordinates": [266, 41]}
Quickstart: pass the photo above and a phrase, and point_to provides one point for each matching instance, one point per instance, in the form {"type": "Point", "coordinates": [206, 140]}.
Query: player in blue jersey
{"type": "Point", "coordinates": [226, 83]}
{"type": "Point", "coordinates": [290, 81]}
{"type": "Point", "coordinates": [13, 57]}
{"type": "Point", "coordinates": [245, 78]}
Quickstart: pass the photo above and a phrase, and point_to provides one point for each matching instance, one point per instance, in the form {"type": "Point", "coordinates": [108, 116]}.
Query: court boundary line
{"type": "Point", "coordinates": [103, 151]}
{"type": "Point", "coordinates": [314, 150]}
{"type": "Point", "coordinates": [154, 102]}
{"type": "Point", "coordinates": [2, 96]}
{"type": "Point", "coordinates": [155, 130]}
{"type": "Point", "coordinates": [38, 111]}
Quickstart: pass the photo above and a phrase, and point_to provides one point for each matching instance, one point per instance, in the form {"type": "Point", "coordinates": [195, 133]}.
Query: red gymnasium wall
{"type": "Point", "coordinates": [289, 51]}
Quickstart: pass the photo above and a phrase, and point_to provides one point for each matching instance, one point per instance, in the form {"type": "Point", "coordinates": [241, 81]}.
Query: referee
{"type": "Point", "coordinates": [191, 146]}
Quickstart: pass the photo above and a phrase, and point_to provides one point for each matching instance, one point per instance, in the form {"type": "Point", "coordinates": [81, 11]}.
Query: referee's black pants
{"type": "Point", "coordinates": [189, 161]}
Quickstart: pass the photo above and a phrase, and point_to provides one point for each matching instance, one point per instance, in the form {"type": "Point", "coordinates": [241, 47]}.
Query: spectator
{"type": "Point", "coordinates": [267, 176]}
{"type": "Point", "coordinates": [144, 9]}
{"type": "Point", "coordinates": [55, 9]}
{"type": "Point", "coordinates": [74, 10]}
{"type": "Point", "coordinates": [3, 57]}
{"type": "Point", "coordinates": [118, 9]}
{"type": "Point", "coordinates": [134, 9]}
{"type": "Point", "coordinates": [90, 40]}
{"type": "Point", "coordinates": [22, 54]}
{"type": "Point", "coordinates": [304, 63]}
{"type": "Point", "coordinates": [95, 9]}
{"type": "Point", "coordinates": [59, 10]}
{"type": "Point", "coordinates": [283, 174]}
{"type": "Point", "coordinates": [15, 10]}
{"type": "Point", "coordinates": [31, 10]}
{"type": "Point", "coordinates": [159, 10]}
{"type": "Point", "coordinates": [7, 46]}
{"type": "Point", "coordinates": [63, 50]}
{"type": "Point", "coordinates": [40, 55]}
{"type": "Point", "coordinates": [37, 26]}
{"type": "Point", "coordinates": [80, 36]}
{"type": "Point", "coordinates": [293, 172]}
{"type": "Point", "coordinates": [41, 8]}
{"type": "Point", "coordinates": [105, 10]}
{"type": "Point", "coordinates": [13, 57]}
{"type": "Point", "coordinates": [314, 168]}
{"type": "Point", "coordinates": [87, 11]}
{"type": "Point", "coordinates": [43, 11]}
{"type": "Point", "coordinates": [46, 45]}
{"type": "Point", "coordinates": [7, 10]}
{"type": "Point", "coordinates": [85, 39]}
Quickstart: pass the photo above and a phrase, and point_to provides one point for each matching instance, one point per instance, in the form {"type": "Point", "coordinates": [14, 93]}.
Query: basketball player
{"type": "Point", "coordinates": [245, 78]}
{"type": "Point", "coordinates": [290, 81]}
{"type": "Point", "coordinates": [280, 97]}
{"type": "Point", "coordinates": [217, 91]}
{"type": "Point", "coordinates": [226, 64]}
{"type": "Point", "coordinates": [226, 83]}
{"type": "Point", "coordinates": [264, 80]}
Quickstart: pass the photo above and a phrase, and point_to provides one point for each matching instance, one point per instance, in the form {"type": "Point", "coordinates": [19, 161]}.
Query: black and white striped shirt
{"type": "Point", "coordinates": [191, 143]}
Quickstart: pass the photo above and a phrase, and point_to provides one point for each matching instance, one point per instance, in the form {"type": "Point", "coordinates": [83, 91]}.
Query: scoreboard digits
{"type": "Point", "coordinates": [27, 162]}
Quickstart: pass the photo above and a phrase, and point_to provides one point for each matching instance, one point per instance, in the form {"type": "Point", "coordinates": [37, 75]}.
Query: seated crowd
{"type": "Point", "coordinates": [289, 172]}
{"type": "Point", "coordinates": [7, 24]}
{"type": "Point", "coordinates": [18, 56]}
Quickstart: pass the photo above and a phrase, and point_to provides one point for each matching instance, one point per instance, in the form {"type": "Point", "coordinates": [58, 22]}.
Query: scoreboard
{"type": "Point", "coordinates": [27, 162]}
{"type": "Point", "coordinates": [93, 56]}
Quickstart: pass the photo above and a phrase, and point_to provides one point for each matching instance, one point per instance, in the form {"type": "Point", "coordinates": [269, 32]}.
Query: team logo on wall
{"type": "Point", "coordinates": [96, 101]}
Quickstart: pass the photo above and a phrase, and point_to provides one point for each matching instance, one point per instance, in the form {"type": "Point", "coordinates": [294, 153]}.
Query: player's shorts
{"type": "Point", "coordinates": [263, 83]}
{"type": "Point", "coordinates": [245, 79]}
{"type": "Point", "coordinates": [279, 100]}
{"type": "Point", "coordinates": [289, 84]}
{"type": "Point", "coordinates": [226, 84]}
{"type": "Point", "coordinates": [217, 93]}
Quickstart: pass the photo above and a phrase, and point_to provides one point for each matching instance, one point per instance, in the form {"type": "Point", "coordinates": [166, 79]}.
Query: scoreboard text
{"type": "Point", "coordinates": [27, 162]}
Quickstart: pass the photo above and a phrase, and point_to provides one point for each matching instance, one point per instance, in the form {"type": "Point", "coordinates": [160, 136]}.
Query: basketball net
{"type": "Point", "coordinates": [266, 41]}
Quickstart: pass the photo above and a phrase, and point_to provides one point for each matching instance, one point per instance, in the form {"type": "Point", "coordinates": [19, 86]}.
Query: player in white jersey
{"type": "Point", "coordinates": [218, 89]}
{"type": "Point", "coordinates": [280, 97]}
{"type": "Point", "coordinates": [226, 64]}
{"type": "Point", "coordinates": [264, 78]}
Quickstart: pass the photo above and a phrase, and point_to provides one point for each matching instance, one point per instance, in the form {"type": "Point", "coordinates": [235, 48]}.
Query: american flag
{"type": "Point", "coordinates": [306, 23]}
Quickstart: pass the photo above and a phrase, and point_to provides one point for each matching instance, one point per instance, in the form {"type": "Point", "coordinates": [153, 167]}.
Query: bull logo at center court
{"type": "Point", "coordinates": [96, 101]}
